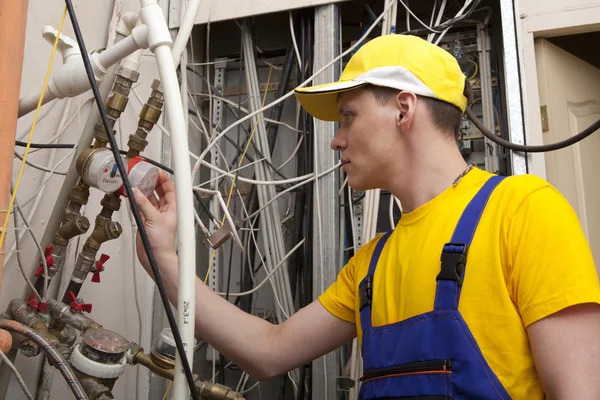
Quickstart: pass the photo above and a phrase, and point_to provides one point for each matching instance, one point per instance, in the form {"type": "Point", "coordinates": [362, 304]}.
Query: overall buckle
{"type": "Point", "coordinates": [365, 290]}
{"type": "Point", "coordinates": [454, 260]}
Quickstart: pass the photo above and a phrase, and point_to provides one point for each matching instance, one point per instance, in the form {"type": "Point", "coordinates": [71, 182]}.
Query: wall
{"type": "Point", "coordinates": [113, 299]}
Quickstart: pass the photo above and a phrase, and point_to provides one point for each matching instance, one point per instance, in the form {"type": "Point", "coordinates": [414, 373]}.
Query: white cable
{"type": "Point", "coordinates": [437, 41]}
{"type": "Point", "coordinates": [232, 226]}
{"type": "Point", "coordinates": [438, 19]}
{"type": "Point", "coordinates": [293, 34]}
{"type": "Point", "coordinates": [268, 276]}
{"type": "Point", "coordinates": [291, 93]}
{"type": "Point", "coordinates": [273, 284]}
{"type": "Point", "coordinates": [283, 192]}
{"type": "Point", "coordinates": [213, 62]}
{"type": "Point", "coordinates": [17, 375]}
{"type": "Point", "coordinates": [45, 181]}
{"type": "Point", "coordinates": [66, 124]}
{"type": "Point", "coordinates": [233, 170]}
{"type": "Point", "coordinates": [294, 153]}
{"type": "Point", "coordinates": [408, 16]}
{"type": "Point", "coordinates": [40, 167]}
{"type": "Point", "coordinates": [41, 117]}
{"type": "Point", "coordinates": [306, 178]}
{"type": "Point", "coordinates": [415, 17]}
{"type": "Point", "coordinates": [245, 110]}
{"type": "Point", "coordinates": [19, 263]}
{"type": "Point", "coordinates": [39, 196]}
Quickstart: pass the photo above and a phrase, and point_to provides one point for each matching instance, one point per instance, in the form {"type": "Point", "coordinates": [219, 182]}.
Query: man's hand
{"type": "Point", "coordinates": [160, 220]}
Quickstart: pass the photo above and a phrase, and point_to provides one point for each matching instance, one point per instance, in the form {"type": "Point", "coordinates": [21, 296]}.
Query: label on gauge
{"type": "Point", "coordinates": [101, 171]}
{"type": "Point", "coordinates": [110, 179]}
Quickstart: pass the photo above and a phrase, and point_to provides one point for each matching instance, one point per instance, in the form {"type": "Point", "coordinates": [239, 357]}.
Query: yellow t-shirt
{"type": "Point", "coordinates": [528, 259]}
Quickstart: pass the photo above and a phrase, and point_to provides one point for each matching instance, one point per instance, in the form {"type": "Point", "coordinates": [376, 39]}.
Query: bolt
{"type": "Point", "coordinates": [156, 85]}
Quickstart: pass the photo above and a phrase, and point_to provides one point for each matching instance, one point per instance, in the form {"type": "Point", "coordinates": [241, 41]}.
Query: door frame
{"type": "Point", "coordinates": [564, 20]}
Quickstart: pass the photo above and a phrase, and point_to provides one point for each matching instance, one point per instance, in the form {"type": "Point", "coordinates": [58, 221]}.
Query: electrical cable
{"type": "Point", "coordinates": [39, 248]}
{"type": "Point", "coordinates": [167, 391]}
{"type": "Point", "coordinates": [57, 359]}
{"type": "Point", "coordinates": [134, 207]}
{"type": "Point", "coordinates": [532, 149]}
{"type": "Point", "coordinates": [37, 166]}
{"type": "Point", "coordinates": [269, 275]}
{"type": "Point", "coordinates": [17, 375]}
{"type": "Point", "coordinates": [71, 146]}
{"type": "Point", "coordinates": [294, 41]}
{"type": "Point", "coordinates": [291, 93]}
{"type": "Point", "coordinates": [33, 125]}
{"type": "Point", "coordinates": [47, 178]}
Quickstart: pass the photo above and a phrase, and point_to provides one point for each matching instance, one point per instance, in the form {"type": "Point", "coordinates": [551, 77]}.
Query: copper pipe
{"type": "Point", "coordinates": [13, 21]}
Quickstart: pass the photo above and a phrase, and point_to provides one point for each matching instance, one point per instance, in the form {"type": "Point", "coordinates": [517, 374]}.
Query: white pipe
{"type": "Point", "coordinates": [159, 42]}
{"type": "Point", "coordinates": [185, 207]}
{"type": "Point", "coordinates": [185, 30]}
{"type": "Point", "coordinates": [71, 79]}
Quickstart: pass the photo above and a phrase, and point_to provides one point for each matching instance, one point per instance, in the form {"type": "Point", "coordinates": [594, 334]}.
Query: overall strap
{"type": "Point", "coordinates": [365, 289]}
{"type": "Point", "coordinates": [454, 254]}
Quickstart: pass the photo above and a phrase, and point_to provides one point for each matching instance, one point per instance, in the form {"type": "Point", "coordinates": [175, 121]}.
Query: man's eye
{"type": "Point", "coordinates": [347, 117]}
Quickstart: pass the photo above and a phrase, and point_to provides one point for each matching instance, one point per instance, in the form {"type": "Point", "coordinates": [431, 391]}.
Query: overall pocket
{"type": "Point", "coordinates": [424, 380]}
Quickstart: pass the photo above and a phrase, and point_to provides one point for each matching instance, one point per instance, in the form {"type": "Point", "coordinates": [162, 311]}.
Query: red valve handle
{"type": "Point", "coordinates": [38, 305]}
{"type": "Point", "coordinates": [100, 267]}
{"type": "Point", "coordinates": [79, 306]}
{"type": "Point", "coordinates": [49, 260]}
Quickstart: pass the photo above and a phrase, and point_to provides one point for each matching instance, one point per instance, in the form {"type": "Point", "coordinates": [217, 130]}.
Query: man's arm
{"type": "Point", "coordinates": [566, 351]}
{"type": "Point", "coordinates": [262, 349]}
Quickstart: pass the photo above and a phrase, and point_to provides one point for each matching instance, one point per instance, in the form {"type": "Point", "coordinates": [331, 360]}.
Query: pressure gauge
{"type": "Point", "coordinates": [98, 169]}
{"type": "Point", "coordinates": [142, 175]}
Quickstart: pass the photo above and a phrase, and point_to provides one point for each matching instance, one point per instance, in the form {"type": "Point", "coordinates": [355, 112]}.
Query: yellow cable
{"type": "Point", "coordinates": [35, 118]}
{"type": "Point", "coordinates": [168, 389]}
{"type": "Point", "coordinates": [212, 258]}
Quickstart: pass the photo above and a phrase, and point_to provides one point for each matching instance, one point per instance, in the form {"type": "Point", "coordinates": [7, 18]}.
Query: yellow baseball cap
{"type": "Point", "coordinates": [401, 62]}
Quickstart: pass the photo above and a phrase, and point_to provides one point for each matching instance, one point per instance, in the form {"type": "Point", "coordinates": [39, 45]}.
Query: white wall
{"type": "Point", "coordinates": [113, 299]}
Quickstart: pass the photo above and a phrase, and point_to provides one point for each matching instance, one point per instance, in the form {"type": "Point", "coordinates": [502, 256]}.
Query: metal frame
{"type": "Point", "coordinates": [325, 255]}
{"type": "Point", "coordinates": [512, 74]}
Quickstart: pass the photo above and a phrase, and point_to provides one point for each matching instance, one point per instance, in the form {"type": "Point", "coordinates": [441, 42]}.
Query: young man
{"type": "Point", "coordinates": [485, 289]}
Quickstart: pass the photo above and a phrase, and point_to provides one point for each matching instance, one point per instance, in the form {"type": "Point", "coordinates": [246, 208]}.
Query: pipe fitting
{"type": "Point", "coordinates": [128, 21]}
{"type": "Point", "coordinates": [63, 314]}
{"type": "Point", "coordinates": [152, 16]}
{"type": "Point", "coordinates": [77, 226]}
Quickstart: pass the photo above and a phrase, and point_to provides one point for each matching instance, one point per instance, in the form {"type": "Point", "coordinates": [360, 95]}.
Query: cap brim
{"type": "Point", "coordinates": [321, 101]}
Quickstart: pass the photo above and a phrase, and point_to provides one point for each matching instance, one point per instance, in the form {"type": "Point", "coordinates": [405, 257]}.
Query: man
{"type": "Point", "coordinates": [509, 309]}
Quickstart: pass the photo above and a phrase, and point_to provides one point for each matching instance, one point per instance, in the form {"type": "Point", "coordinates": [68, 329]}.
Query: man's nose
{"type": "Point", "coordinates": [339, 142]}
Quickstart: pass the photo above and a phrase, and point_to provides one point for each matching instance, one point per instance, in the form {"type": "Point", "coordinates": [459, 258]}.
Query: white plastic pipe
{"type": "Point", "coordinates": [185, 30]}
{"type": "Point", "coordinates": [159, 41]}
{"type": "Point", "coordinates": [71, 79]}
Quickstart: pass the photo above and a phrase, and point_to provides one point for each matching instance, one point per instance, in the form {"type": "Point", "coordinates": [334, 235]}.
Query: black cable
{"type": "Point", "coordinates": [149, 160]}
{"type": "Point", "coordinates": [532, 149]}
{"type": "Point", "coordinates": [45, 146]}
{"type": "Point", "coordinates": [134, 207]}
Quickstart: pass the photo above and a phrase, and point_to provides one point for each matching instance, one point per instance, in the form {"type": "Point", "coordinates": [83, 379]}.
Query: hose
{"type": "Point", "coordinates": [51, 353]}
{"type": "Point", "coordinates": [532, 149]}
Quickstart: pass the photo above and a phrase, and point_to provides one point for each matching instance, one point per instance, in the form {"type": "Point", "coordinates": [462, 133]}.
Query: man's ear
{"type": "Point", "coordinates": [406, 104]}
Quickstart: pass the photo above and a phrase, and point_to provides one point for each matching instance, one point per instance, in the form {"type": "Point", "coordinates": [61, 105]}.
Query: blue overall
{"type": "Point", "coordinates": [432, 355]}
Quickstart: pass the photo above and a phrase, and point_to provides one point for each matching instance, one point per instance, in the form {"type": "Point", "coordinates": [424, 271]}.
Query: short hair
{"type": "Point", "coordinates": [446, 117]}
